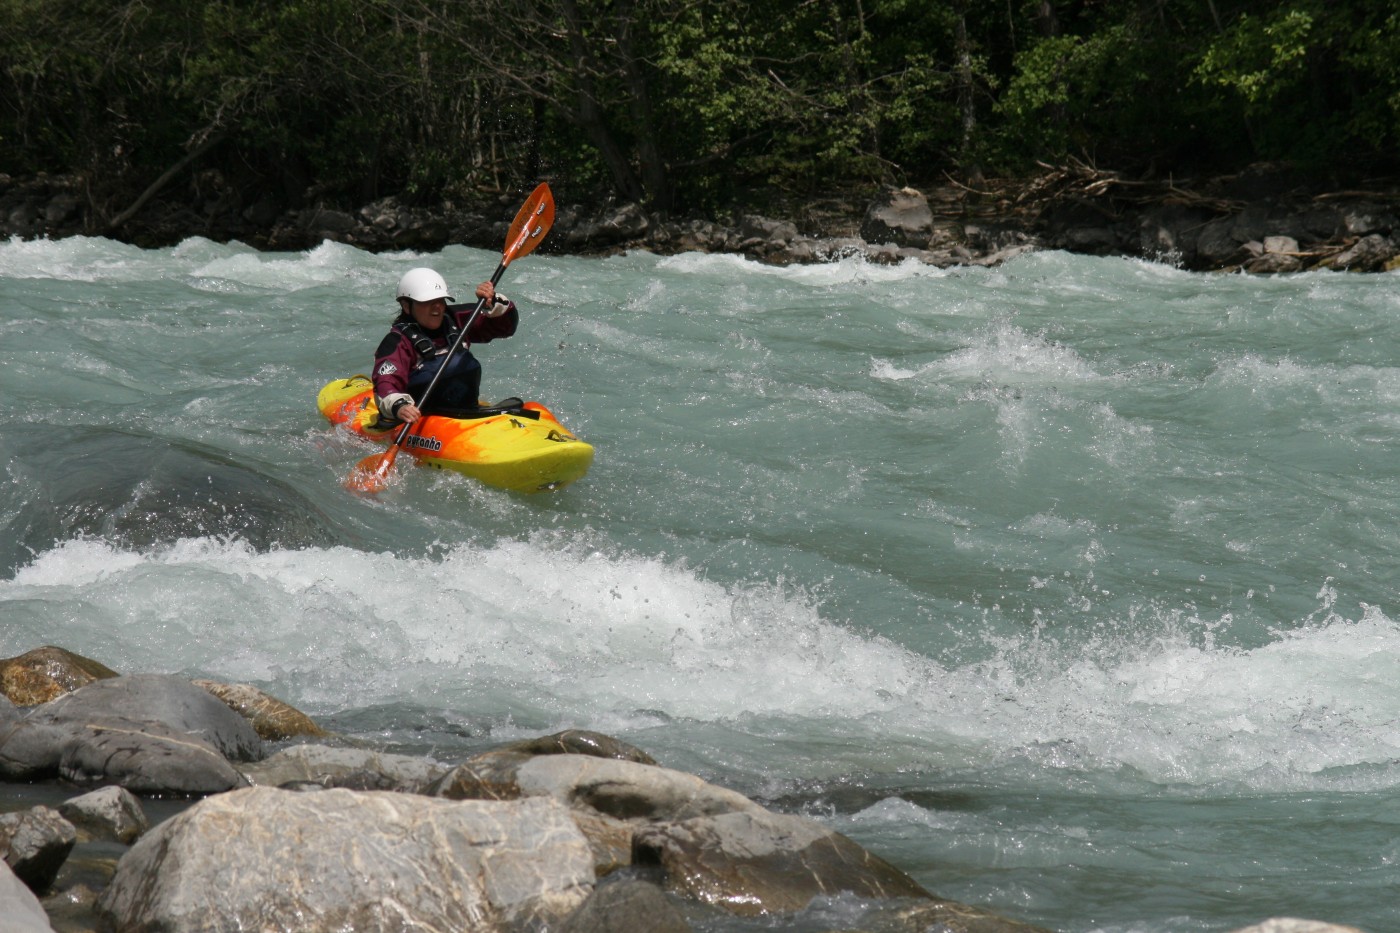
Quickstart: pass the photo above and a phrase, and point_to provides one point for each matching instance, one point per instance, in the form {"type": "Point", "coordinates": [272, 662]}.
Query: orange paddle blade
{"type": "Point", "coordinates": [372, 473]}
{"type": "Point", "coordinates": [531, 223]}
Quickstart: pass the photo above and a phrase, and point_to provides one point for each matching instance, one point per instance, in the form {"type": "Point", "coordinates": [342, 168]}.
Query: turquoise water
{"type": "Point", "coordinates": [1069, 587]}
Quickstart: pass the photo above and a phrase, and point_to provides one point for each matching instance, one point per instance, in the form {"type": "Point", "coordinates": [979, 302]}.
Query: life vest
{"type": "Point", "coordinates": [460, 382]}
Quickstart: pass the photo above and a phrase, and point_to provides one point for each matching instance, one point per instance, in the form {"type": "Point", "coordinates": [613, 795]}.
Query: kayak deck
{"type": "Point", "coordinates": [523, 447]}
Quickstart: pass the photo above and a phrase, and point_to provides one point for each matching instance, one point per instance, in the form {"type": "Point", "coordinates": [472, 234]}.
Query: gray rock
{"type": "Point", "coordinates": [885, 254]}
{"type": "Point", "coordinates": [30, 751]}
{"type": "Point", "coordinates": [627, 790]}
{"type": "Point", "coordinates": [626, 906]}
{"type": "Point", "coordinates": [35, 843]}
{"type": "Point", "coordinates": [776, 232]}
{"type": "Point", "coordinates": [326, 221]}
{"type": "Point", "coordinates": [755, 863]}
{"type": "Point", "coordinates": [627, 222]}
{"type": "Point", "coordinates": [1365, 255]}
{"type": "Point", "coordinates": [145, 757]}
{"type": "Point", "coordinates": [342, 859]}
{"type": "Point", "coordinates": [1092, 239]}
{"type": "Point", "coordinates": [1217, 242]}
{"type": "Point", "coordinates": [841, 247]}
{"type": "Point", "coordinates": [61, 207]}
{"type": "Point", "coordinates": [149, 733]}
{"type": "Point", "coordinates": [110, 813]}
{"type": "Point", "coordinates": [46, 673]}
{"type": "Point", "coordinates": [1273, 263]}
{"type": "Point", "coordinates": [900, 216]}
{"type": "Point", "coordinates": [271, 718]}
{"type": "Point", "coordinates": [623, 790]}
{"type": "Point", "coordinates": [1366, 219]}
{"type": "Point", "coordinates": [582, 742]}
{"type": "Point", "coordinates": [800, 250]}
{"type": "Point", "coordinates": [173, 701]}
{"type": "Point", "coordinates": [1280, 244]}
{"type": "Point", "coordinates": [1252, 223]}
{"type": "Point", "coordinates": [331, 767]}
{"type": "Point", "coordinates": [1321, 222]}
{"type": "Point", "coordinates": [21, 909]}
{"type": "Point", "coordinates": [615, 226]}
{"type": "Point", "coordinates": [608, 798]}
{"type": "Point", "coordinates": [1005, 254]}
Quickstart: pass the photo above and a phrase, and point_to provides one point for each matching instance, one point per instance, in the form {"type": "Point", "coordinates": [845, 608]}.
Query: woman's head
{"type": "Point", "coordinates": [423, 296]}
{"type": "Point", "coordinates": [422, 285]}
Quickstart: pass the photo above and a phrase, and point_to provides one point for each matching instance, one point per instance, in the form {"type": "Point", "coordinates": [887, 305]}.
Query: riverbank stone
{"type": "Point", "coordinates": [627, 906]}
{"type": "Point", "coordinates": [756, 863]}
{"type": "Point", "coordinates": [272, 719]}
{"type": "Point", "coordinates": [151, 734]}
{"type": "Point", "coordinates": [899, 217]}
{"type": "Point", "coordinates": [34, 844]}
{"type": "Point", "coordinates": [340, 859]}
{"type": "Point", "coordinates": [331, 766]}
{"type": "Point", "coordinates": [172, 701]}
{"type": "Point", "coordinates": [46, 673]}
{"type": "Point", "coordinates": [19, 907]}
{"type": "Point", "coordinates": [145, 757]}
{"type": "Point", "coordinates": [112, 813]}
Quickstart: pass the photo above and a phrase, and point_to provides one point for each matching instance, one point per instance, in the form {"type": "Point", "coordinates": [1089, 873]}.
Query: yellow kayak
{"type": "Point", "coordinates": [519, 446]}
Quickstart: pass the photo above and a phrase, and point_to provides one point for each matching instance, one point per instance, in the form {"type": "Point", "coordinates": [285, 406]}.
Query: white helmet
{"type": "Point", "coordinates": [422, 285]}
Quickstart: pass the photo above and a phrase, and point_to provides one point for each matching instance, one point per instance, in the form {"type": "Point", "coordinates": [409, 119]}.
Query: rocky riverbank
{"type": "Point", "coordinates": [1263, 220]}
{"type": "Point", "coordinates": [286, 828]}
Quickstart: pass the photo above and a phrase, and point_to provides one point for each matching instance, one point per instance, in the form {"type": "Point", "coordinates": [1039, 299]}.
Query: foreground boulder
{"type": "Point", "coordinates": [757, 862]}
{"type": "Point", "coordinates": [627, 906]}
{"type": "Point", "coordinates": [625, 790]}
{"type": "Point", "coordinates": [112, 813]}
{"type": "Point", "coordinates": [581, 742]}
{"type": "Point", "coordinates": [21, 909]}
{"type": "Point", "coordinates": [272, 719]}
{"type": "Point", "coordinates": [352, 768]}
{"type": "Point", "coordinates": [147, 733]}
{"type": "Point", "coordinates": [34, 844]}
{"type": "Point", "coordinates": [47, 673]}
{"type": "Point", "coordinates": [173, 701]}
{"type": "Point", "coordinates": [264, 858]}
{"type": "Point", "coordinates": [712, 844]}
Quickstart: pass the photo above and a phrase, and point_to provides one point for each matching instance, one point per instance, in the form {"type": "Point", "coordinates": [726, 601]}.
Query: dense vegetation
{"type": "Point", "coordinates": [687, 105]}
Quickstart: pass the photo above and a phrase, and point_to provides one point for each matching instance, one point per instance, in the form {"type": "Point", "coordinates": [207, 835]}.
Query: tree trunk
{"type": "Point", "coordinates": [590, 115]}
{"type": "Point", "coordinates": [656, 175]}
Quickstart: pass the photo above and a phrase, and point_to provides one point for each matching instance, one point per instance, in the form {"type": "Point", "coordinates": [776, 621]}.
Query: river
{"type": "Point", "coordinates": [1067, 586]}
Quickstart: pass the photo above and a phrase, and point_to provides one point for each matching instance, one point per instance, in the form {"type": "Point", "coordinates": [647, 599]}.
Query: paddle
{"type": "Point", "coordinates": [531, 223]}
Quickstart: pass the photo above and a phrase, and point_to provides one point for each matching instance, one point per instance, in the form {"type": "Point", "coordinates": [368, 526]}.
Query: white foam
{"type": "Point", "coordinates": [577, 632]}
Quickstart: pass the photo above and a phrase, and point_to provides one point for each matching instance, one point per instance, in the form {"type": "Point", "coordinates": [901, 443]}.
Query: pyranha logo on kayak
{"type": "Point", "coordinates": [427, 443]}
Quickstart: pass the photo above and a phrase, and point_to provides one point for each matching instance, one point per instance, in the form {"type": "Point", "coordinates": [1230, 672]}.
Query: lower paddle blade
{"type": "Point", "coordinates": [372, 473]}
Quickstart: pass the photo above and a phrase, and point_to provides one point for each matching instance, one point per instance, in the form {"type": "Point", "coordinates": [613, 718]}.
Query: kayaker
{"type": "Point", "coordinates": [416, 347]}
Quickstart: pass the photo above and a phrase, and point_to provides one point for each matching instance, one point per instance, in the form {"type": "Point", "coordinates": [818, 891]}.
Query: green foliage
{"type": "Point", "coordinates": [691, 104]}
{"type": "Point", "coordinates": [1317, 80]}
{"type": "Point", "coordinates": [1259, 57]}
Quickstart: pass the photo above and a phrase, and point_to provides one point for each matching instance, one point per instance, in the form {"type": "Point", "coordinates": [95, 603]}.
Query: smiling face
{"type": "Point", "coordinates": [428, 314]}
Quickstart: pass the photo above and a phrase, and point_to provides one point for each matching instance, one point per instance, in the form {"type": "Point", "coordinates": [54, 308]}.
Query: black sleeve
{"type": "Point", "coordinates": [388, 344]}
